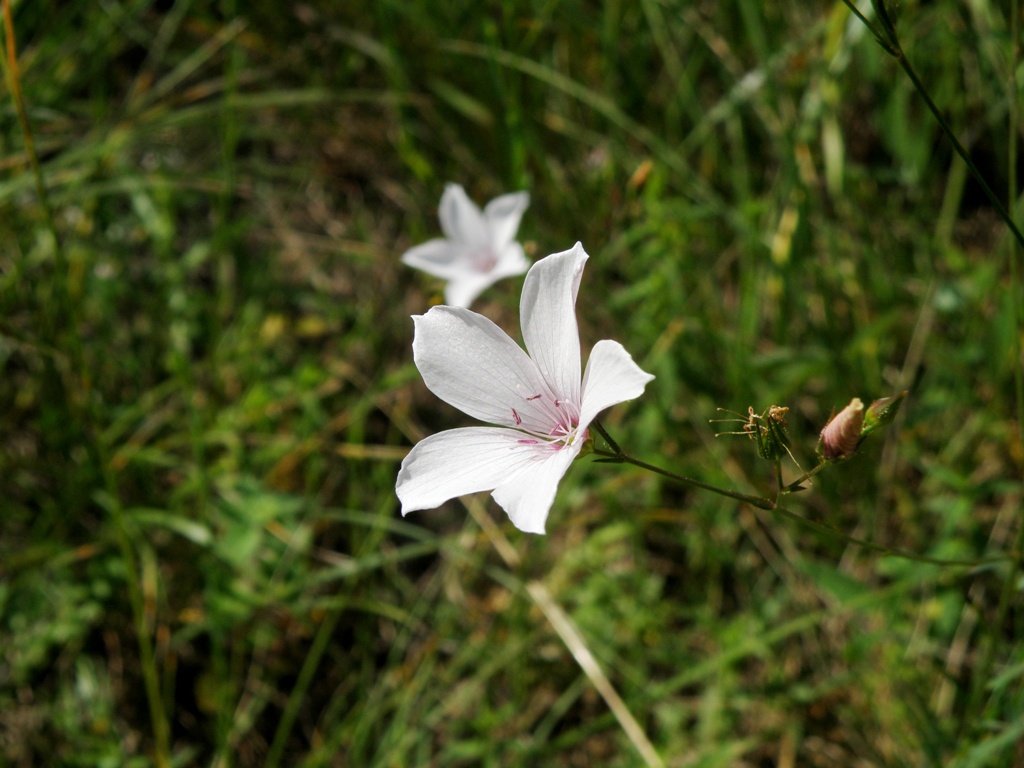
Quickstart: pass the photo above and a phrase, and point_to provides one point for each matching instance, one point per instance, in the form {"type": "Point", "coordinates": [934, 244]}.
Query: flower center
{"type": "Point", "coordinates": [565, 435]}
{"type": "Point", "coordinates": [484, 259]}
{"type": "Point", "coordinates": [550, 422]}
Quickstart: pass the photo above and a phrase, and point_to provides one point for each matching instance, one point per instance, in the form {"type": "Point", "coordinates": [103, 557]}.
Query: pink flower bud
{"type": "Point", "coordinates": [842, 434]}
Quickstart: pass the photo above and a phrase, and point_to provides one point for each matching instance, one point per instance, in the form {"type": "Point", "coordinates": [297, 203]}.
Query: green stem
{"type": "Point", "coordinates": [309, 667]}
{"type": "Point", "coordinates": [891, 44]}
{"type": "Point", "coordinates": [13, 78]}
{"type": "Point", "coordinates": [975, 705]}
{"type": "Point", "coordinates": [619, 456]}
{"type": "Point", "coordinates": [607, 438]}
{"type": "Point", "coordinates": [757, 501]}
{"type": "Point", "coordinates": [79, 401]}
{"type": "Point", "coordinates": [882, 39]}
{"type": "Point", "coordinates": [792, 487]}
{"type": "Point", "coordinates": [64, 303]}
{"type": "Point", "coordinates": [1003, 213]}
{"type": "Point", "coordinates": [147, 658]}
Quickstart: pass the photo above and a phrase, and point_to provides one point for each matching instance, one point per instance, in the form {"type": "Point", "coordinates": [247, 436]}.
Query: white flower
{"type": "Point", "coordinates": [478, 248]}
{"type": "Point", "coordinates": [540, 401]}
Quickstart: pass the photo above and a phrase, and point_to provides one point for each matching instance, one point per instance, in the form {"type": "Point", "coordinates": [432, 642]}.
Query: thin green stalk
{"type": "Point", "coordinates": [12, 75]}
{"type": "Point", "coordinates": [305, 677]}
{"type": "Point", "coordinates": [80, 403]}
{"type": "Point", "coordinates": [794, 486]}
{"type": "Point", "coordinates": [867, 23]}
{"type": "Point", "coordinates": [617, 455]}
{"type": "Point", "coordinates": [147, 658]}
{"type": "Point", "coordinates": [890, 42]}
{"type": "Point", "coordinates": [608, 438]}
{"type": "Point", "coordinates": [64, 303]}
{"type": "Point", "coordinates": [227, 267]}
{"type": "Point", "coordinates": [757, 501]}
{"type": "Point", "coordinates": [1003, 213]}
{"type": "Point", "coordinates": [975, 706]}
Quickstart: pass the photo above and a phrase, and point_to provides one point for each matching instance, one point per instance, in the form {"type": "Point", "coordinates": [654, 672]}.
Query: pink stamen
{"type": "Point", "coordinates": [515, 416]}
{"type": "Point", "coordinates": [533, 397]}
{"type": "Point", "coordinates": [527, 441]}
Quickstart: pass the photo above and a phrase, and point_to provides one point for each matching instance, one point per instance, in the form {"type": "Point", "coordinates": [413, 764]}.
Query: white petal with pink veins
{"type": "Point", "coordinates": [471, 363]}
{"type": "Point", "coordinates": [611, 378]}
{"type": "Point", "coordinates": [548, 317]}
{"type": "Point", "coordinates": [460, 461]}
{"type": "Point", "coordinates": [527, 496]}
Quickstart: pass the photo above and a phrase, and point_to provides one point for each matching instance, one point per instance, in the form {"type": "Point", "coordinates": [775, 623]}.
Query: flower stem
{"type": "Point", "coordinates": [620, 456]}
{"type": "Point", "coordinates": [793, 486]}
{"type": "Point", "coordinates": [607, 438]}
{"type": "Point", "coordinates": [1000, 208]}
{"type": "Point", "coordinates": [757, 501]}
{"type": "Point", "coordinates": [890, 42]}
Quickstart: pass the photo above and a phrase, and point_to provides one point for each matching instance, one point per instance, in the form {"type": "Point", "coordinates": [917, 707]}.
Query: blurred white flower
{"type": "Point", "coordinates": [540, 401]}
{"type": "Point", "coordinates": [478, 249]}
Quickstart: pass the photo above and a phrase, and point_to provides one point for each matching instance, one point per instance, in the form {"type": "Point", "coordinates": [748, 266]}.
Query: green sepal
{"type": "Point", "coordinates": [881, 413]}
{"type": "Point", "coordinates": [587, 448]}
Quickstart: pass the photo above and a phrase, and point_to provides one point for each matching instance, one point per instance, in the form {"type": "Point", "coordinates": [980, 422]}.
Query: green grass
{"type": "Point", "coordinates": [207, 385]}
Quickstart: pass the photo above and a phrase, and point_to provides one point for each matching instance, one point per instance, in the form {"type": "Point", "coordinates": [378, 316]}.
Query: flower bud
{"type": "Point", "coordinates": [842, 434]}
{"type": "Point", "coordinates": [882, 412]}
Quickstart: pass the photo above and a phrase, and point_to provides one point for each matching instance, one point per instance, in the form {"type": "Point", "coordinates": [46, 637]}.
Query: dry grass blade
{"type": "Point", "coordinates": [577, 646]}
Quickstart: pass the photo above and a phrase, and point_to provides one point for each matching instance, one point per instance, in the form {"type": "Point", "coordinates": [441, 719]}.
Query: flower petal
{"type": "Point", "coordinates": [461, 219]}
{"type": "Point", "coordinates": [441, 258]}
{"type": "Point", "coordinates": [611, 377]}
{"type": "Point", "coordinates": [528, 494]}
{"type": "Point", "coordinates": [503, 214]}
{"type": "Point", "coordinates": [548, 318]}
{"type": "Point", "coordinates": [460, 461]}
{"type": "Point", "coordinates": [470, 363]}
{"type": "Point", "coordinates": [469, 283]}
{"type": "Point", "coordinates": [462, 290]}
{"type": "Point", "coordinates": [511, 261]}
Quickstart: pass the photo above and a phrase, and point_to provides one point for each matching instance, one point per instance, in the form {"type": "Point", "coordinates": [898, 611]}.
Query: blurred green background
{"type": "Point", "coordinates": [206, 386]}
